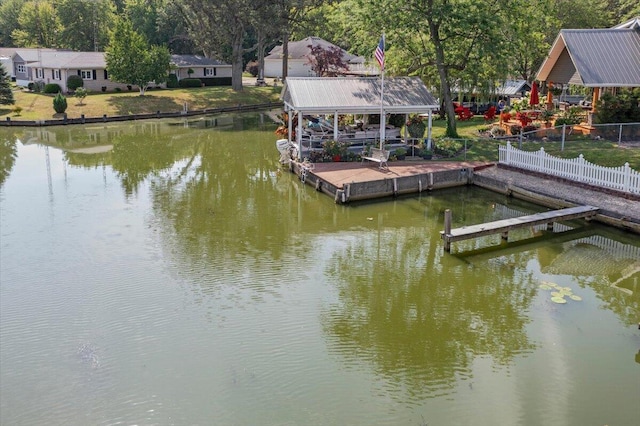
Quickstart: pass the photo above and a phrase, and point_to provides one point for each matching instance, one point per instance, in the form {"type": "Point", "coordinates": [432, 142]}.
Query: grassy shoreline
{"type": "Point", "coordinates": [38, 106]}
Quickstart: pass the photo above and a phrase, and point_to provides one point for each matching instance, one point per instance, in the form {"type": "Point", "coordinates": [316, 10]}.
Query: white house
{"type": "Point", "coordinates": [299, 64]}
{"type": "Point", "coordinates": [210, 71]}
{"type": "Point", "coordinates": [55, 66]}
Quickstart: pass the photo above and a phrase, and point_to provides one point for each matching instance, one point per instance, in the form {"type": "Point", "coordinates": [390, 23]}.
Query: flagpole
{"type": "Point", "coordinates": [382, 121]}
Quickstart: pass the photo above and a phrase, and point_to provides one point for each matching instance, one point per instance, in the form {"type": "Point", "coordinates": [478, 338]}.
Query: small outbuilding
{"type": "Point", "coordinates": [299, 59]}
{"type": "Point", "coordinates": [602, 59]}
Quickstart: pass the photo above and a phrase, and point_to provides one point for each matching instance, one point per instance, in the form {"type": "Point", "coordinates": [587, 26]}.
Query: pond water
{"type": "Point", "coordinates": [169, 272]}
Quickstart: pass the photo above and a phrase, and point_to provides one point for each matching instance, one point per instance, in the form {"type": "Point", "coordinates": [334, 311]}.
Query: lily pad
{"type": "Point", "coordinates": [544, 287]}
{"type": "Point", "coordinates": [575, 297]}
{"type": "Point", "coordinates": [558, 299]}
{"type": "Point", "coordinates": [556, 294]}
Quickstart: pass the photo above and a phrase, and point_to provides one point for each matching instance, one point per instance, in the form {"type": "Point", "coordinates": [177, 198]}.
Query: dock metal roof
{"type": "Point", "coordinates": [594, 58]}
{"type": "Point", "coordinates": [356, 95]}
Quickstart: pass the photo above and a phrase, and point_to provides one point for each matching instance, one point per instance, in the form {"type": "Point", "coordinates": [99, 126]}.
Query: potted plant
{"type": "Point", "coordinates": [546, 116]}
{"type": "Point", "coordinates": [416, 126]}
{"type": "Point", "coordinates": [400, 153]}
{"type": "Point", "coordinates": [426, 154]}
{"type": "Point", "coordinates": [333, 149]}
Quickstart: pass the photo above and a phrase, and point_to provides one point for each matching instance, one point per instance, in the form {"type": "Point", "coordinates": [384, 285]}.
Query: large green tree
{"type": "Point", "coordinates": [39, 25]}
{"type": "Point", "coordinates": [9, 15]}
{"type": "Point", "coordinates": [446, 39]}
{"type": "Point", "coordinates": [132, 60]}
{"type": "Point", "coordinates": [215, 25]}
{"type": "Point", "coordinates": [85, 23]}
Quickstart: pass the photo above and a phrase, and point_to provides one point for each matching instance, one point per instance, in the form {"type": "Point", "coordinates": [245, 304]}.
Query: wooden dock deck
{"type": "Point", "coordinates": [504, 226]}
{"type": "Point", "coordinates": [356, 181]}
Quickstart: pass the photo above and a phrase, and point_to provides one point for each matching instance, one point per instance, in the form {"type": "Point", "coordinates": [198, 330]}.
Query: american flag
{"type": "Point", "coordinates": [379, 54]}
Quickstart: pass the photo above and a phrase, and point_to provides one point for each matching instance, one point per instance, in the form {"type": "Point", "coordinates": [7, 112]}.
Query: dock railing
{"type": "Point", "coordinates": [622, 178]}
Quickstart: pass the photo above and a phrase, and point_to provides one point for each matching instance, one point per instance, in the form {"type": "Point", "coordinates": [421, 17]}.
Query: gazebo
{"type": "Point", "coordinates": [355, 95]}
{"type": "Point", "coordinates": [602, 59]}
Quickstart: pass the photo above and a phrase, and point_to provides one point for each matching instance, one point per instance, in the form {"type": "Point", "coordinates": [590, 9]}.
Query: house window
{"type": "Point", "coordinates": [21, 68]}
{"type": "Point", "coordinates": [56, 74]}
{"type": "Point", "coordinates": [86, 74]}
{"type": "Point", "coordinates": [209, 72]}
{"type": "Point", "coordinates": [39, 73]}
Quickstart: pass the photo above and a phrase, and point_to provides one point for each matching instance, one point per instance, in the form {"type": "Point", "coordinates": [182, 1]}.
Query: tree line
{"type": "Point", "coordinates": [447, 43]}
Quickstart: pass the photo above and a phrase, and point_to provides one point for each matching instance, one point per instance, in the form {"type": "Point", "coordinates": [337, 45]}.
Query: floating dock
{"type": "Point", "coordinates": [504, 226]}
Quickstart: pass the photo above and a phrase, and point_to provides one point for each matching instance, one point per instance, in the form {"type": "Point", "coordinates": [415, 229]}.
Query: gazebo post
{"type": "Point", "coordinates": [429, 129]}
{"type": "Point", "coordinates": [549, 96]}
{"type": "Point", "coordinates": [335, 125]}
{"type": "Point", "coordinates": [595, 98]}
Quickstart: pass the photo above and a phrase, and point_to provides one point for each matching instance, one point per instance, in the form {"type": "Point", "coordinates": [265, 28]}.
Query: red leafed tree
{"type": "Point", "coordinates": [327, 62]}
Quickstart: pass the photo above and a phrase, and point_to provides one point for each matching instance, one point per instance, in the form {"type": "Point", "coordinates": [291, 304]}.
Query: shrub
{"type": "Point", "coordinates": [74, 81]}
{"type": "Point", "coordinates": [51, 88]}
{"type": "Point", "coordinates": [515, 129]}
{"type": "Point", "coordinates": [497, 131]}
{"type": "Point", "coordinates": [570, 117]}
{"type": "Point", "coordinates": [190, 82]}
{"type": "Point", "coordinates": [448, 147]}
{"type": "Point", "coordinates": [252, 68]}
{"type": "Point", "coordinates": [35, 86]}
{"type": "Point", "coordinates": [59, 103]}
{"type": "Point", "coordinates": [623, 108]}
{"type": "Point", "coordinates": [172, 81]}
{"type": "Point", "coordinates": [81, 93]}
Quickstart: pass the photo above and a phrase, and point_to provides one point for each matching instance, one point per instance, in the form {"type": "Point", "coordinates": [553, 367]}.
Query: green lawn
{"type": "Point", "coordinates": [601, 152]}
{"type": "Point", "coordinates": [39, 106]}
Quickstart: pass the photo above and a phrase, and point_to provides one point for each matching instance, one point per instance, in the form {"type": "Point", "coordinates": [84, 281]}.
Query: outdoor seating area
{"type": "Point", "coordinates": [462, 112]}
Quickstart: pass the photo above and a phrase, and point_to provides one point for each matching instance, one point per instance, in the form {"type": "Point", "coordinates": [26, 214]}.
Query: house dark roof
{"type": "Point", "coordinates": [326, 95]}
{"type": "Point", "coordinates": [184, 61]}
{"type": "Point", "coordinates": [594, 58]}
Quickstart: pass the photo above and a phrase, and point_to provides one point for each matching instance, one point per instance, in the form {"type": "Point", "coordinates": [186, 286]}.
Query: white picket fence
{"type": "Point", "coordinates": [622, 178]}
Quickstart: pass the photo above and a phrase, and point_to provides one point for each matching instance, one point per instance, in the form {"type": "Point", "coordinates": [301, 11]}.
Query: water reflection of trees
{"type": "Point", "coordinates": [420, 317]}
{"type": "Point", "coordinates": [8, 155]}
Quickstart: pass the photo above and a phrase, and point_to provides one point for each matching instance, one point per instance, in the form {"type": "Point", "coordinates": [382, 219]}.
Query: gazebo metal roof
{"type": "Point", "coordinates": [594, 58]}
{"type": "Point", "coordinates": [354, 95]}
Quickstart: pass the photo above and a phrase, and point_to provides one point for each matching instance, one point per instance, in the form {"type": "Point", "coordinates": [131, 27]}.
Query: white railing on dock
{"type": "Point", "coordinates": [622, 178]}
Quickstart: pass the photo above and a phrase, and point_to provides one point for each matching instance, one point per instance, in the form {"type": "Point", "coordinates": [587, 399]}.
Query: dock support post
{"type": "Point", "coordinates": [318, 184]}
{"type": "Point", "coordinates": [447, 230]}
{"type": "Point", "coordinates": [430, 181]}
{"type": "Point", "coordinates": [395, 187]}
{"type": "Point", "coordinates": [420, 185]}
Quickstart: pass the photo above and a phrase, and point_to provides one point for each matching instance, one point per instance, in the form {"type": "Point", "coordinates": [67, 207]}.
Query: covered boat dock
{"type": "Point", "coordinates": [304, 96]}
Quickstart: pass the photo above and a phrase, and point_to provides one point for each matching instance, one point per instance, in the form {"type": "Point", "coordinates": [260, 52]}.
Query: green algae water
{"type": "Point", "coordinates": [171, 273]}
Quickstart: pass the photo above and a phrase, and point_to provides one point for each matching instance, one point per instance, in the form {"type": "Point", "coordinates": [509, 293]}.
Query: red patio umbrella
{"type": "Point", "coordinates": [534, 98]}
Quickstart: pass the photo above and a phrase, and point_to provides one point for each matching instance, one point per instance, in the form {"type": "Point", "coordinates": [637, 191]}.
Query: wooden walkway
{"type": "Point", "coordinates": [504, 226]}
